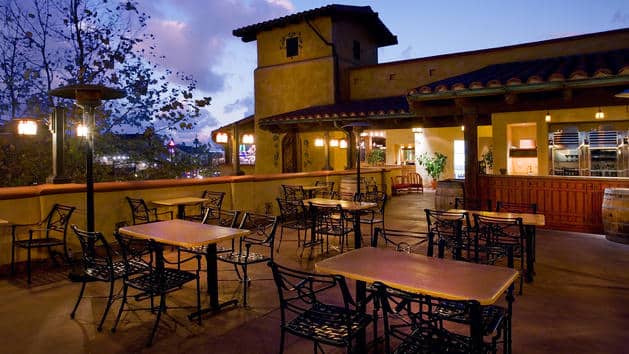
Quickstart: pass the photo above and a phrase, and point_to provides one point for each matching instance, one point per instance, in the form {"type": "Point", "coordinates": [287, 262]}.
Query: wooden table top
{"type": "Point", "coordinates": [182, 233]}
{"type": "Point", "coordinates": [527, 219]}
{"type": "Point", "coordinates": [443, 278]}
{"type": "Point", "coordinates": [313, 188]}
{"type": "Point", "coordinates": [345, 204]}
{"type": "Point", "coordinates": [179, 201]}
{"type": "Point", "coordinates": [2, 221]}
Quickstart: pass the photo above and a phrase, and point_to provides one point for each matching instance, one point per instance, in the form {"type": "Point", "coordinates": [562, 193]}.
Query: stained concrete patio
{"type": "Point", "coordinates": [577, 304]}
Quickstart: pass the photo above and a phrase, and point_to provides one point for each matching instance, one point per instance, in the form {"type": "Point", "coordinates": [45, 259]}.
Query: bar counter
{"type": "Point", "coordinates": [570, 203]}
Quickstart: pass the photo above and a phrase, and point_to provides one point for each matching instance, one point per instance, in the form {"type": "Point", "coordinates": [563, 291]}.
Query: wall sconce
{"type": "Point", "coordinates": [343, 144]}
{"type": "Point", "coordinates": [27, 127]}
{"type": "Point", "coordinates": [247, 139]}
{"type": "Point", "coordinates": [462, 128]}
{"type": "Point", "coordinates": [319, 142]}
{"type": "Point", "coordinates": [547, 118]}
{"type": "Point", "coordinates": [81, 130]}
{"type": "Point", "coordinates": [600, 114]}
{"type": "Point", "coordinates": [222, 138]}
{"type": "Point", "coordinates": [418, 130]}
{"type": "Point", "coordinates": [334, 142]}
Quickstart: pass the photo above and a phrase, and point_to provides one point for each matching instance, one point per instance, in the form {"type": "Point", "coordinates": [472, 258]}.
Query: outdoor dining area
{"type": "Point", "coordinates": [332, 271]}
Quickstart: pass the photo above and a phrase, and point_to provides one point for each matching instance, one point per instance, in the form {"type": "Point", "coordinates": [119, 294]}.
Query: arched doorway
{"type": "Point", "coordinates": [291, 153]}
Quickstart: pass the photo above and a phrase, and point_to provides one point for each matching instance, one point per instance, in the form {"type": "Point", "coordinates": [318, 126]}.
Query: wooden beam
{"type": "Point", "coordinates": [471, 157]}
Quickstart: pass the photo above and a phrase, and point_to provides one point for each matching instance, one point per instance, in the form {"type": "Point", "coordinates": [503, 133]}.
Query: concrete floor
{"type": "Point", "coordinates": [577, 304]}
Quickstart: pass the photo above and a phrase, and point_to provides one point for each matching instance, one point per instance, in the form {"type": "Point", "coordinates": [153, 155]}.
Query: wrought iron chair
{"type": "Point", "coordinates": [529, 208]}
{"type": "Point", "coordinates": [448, 226]}
{"type": "Point", "coordinates": [293, 215]}
{"type": "Point", "coordinates": [332, 222]}
{"type": "Point", "coordinates": [472, 204]}
{"type": "Point", "coordinates": [497, 237]}
{"type": "Point", "coordinates": [410, 319]}
{"type": "Point", "coordinates": [155, 280]}
{"type": "Point", "coordinates": [325, 193]}
{"type": "Point", "coordinates": [100, 263]}
{"type": "Point", "coordinates": [226, 218]}
{"type": "Point", "coordinates": [261, 239]}
{"type": "Point", "coordinates": [48, 233]}
{"type": "Point", "coordinates": [304, 313]}
{"type": "Point", "coordinates": [209, 209]}
{"type": "Point", "coordinates": [142, 214]}
{"type": "Point", "coordinates": [375, 215]}
{"type": "Point", "coordinates": [293, 192]}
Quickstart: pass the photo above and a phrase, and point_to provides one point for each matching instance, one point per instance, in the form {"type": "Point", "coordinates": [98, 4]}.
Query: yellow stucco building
{"type": "Point", "coordinates": [318, 70]}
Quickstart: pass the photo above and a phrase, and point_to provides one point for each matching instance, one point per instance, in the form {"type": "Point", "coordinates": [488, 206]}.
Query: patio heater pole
{"type": "Point", "coordinates": [356, 128]}
{"type": "Point", "coordinates": [88, 97]}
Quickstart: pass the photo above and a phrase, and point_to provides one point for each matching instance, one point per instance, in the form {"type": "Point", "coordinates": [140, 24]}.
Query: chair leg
{"type": "Point", "coordinates": [162, 307]}
{"type": "Point", "coordinates": [13, 251]}
{"type": "Point", "coordinates": [78, 300]}
{"type": "Point", "coordinates": [110, 300]}
{"type": "Point", "coordinates": [282, 236]}
{"type": "Point", "coordinates": [245, 284]}
{"type": "Point", "coordinates": [28, 264]}
{"type": "Point", "coordinates": [122, 303]}
{"type": "Point", "coordinates": [199, 294]}
{"type": "Point", "coordinates": [282, 338]}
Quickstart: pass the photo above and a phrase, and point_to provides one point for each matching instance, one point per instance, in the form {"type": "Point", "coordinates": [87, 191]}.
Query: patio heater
{"type": "Point", "coordinates": [88, 97]}
{"type": "Point", "coordinates": [356, 128]}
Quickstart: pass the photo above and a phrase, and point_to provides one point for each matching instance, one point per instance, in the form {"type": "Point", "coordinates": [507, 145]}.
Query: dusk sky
{"type": "Point", "coordinates": [196, 36]}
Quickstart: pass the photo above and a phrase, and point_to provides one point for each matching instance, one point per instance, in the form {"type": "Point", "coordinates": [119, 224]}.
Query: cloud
{"type": "Point", "coordinates": [239, 104]}
{"type": "Point", "coordinates": [620, 17]}
{"type": "Point", "coordinates": [192, 34]}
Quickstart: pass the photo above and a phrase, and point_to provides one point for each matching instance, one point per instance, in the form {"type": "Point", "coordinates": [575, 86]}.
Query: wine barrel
{"type": "Point", "coordinates": [447, 191]}
{"type": "Point", "coordinates": [348, 185]}
{"type": "Point", "coordinates": [615, 212]}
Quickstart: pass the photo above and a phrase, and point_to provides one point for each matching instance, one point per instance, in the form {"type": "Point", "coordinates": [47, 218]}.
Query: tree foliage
{"type": "Point", "coordinates": [46, 44]}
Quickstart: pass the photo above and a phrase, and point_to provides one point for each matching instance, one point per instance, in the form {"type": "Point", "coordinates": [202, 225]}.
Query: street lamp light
{"type": "Point", "coordinates": [88, 97]}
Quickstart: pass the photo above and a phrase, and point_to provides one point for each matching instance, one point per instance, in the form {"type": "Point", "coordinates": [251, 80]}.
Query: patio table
{"type": "Point", "coordinates": [312, 189]}
{"type": "Point", "coordinates": [351, 206]}
{"type": "Point", "coordinates": [442, 278]}
{"type": "Point", "coordinates": [528, 220]}
{"type": "Point", "coordinates": [183, 233]}
{"type": "Point", "coordinates": [180, 203]}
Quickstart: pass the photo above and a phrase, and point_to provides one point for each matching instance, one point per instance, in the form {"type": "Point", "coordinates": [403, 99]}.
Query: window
{"type": "Point", "coordinates": [356, 50]}
{"type": "Point", "coordinates": [459, 159]}
{"type": "Point", "coordinates": [247, 154]}
{"type": "Point", "coordinates": [292, 46]}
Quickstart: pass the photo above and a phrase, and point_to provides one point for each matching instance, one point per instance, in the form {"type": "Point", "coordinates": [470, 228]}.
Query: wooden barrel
{"type": "Point", "coordinates": [615, 212]}
{"type": "Point", "coordinates": [447, 191]}
{"type": "Point", "coordinates": [348, 185]}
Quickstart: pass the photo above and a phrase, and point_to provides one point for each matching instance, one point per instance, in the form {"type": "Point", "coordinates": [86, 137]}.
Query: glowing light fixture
{"type": "Point", "coordinates": [334, 142]}
{"type": "Point", "coordinates": [462, 128]}
{"type": "Point", "coordinates": [343, 144]}
{"type": "Point", "coordinates": [599, 115]}
{"type": "Point", "coordinates": [418, 130]}
{"type": "Point", "coordinates": [222, 138]}
{"type": "Point", "coordinates": [319, 142]}
{"type": "Point", "coordinates": [81, 130]}
{"type": "Point", "coordinates": [27, 127]}
{"type": "Point", "coordinates": [547, 118]}
{"type": "Point", "coordinates": [247, 139]}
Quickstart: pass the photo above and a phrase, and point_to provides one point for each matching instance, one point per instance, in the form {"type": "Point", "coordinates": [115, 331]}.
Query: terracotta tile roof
{"type": "Point", "coordinates": [535, 72]}
{"type": "Point", "coordinates": [377, 108]}
{"type": "Point", "coordinates": [362, 14]}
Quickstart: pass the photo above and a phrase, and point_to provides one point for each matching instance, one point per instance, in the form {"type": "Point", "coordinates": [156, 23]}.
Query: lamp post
{"type": "Point", "coordinates": [88, 97]}
{"type": "Point", "coordinates": [356, 128]}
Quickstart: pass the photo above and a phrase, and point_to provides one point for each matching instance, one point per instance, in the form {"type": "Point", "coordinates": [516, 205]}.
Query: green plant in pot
{"type": "Point", "coordinates": [376, 157]}
{"type": "Point", "coordinates": [433, 164]}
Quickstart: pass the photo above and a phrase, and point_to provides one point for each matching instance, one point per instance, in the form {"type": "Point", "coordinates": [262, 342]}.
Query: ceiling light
{"type": "Point", "coordinates": [547, 118]}
{"type": "Point", "coordinates": [599, 115]}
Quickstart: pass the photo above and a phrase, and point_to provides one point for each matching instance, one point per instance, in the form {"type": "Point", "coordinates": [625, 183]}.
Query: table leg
{"type": "Point", "coordinates": [358, 237]}
{"type": "Point", "coordinates": [181, 211]}
{"type": "Point", "coordinates": [530, 270]}
{"type": "Point", "coordinates": [212, 284]}
{"type": "Point", "coordinates": [313, 236]}
{"type": "Point", "coordinates": [361, 299]}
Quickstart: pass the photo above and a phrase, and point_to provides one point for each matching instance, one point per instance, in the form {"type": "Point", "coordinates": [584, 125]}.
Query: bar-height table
{"type": "Point", "coordinates": [442, 278]}
{"type": "Point", "coordinates": [528, 220]}
{"type": "Point", "coordinates": [181, 204]}
{"type": "Point", "coordinates": [184, 233]}
{"type": "Point", "coordinates": [353, 207]}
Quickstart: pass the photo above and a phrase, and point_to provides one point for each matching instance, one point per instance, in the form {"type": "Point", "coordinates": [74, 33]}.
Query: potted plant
{"type": "Point", "coordinates": [488, 158]}
{"type": "Point", "coordinates": [376, 157]}
{"type": "Point", "coordinates": [434, 165]}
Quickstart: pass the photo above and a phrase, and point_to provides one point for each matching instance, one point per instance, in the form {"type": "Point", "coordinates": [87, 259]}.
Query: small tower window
{"type": "Point", "coordinates": [356, 50]}
{"type": "Point", "coordinates": [292, 46]}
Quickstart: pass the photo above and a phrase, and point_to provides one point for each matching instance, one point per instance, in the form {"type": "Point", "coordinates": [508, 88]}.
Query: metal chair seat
{"type": "Point", "coordinates": [430, 339]}
{"type": "Point", "coordinates": [161, 282]}
{"type": "Point", "coordinates": [242, 258]}
{"type": "Point", "coordinates": [328, 324]}
{"type": "Point", "coordinates": [101, 271]}
{"type": "Point", "coordinates": [40, 242]}
{"type": "Point", "coordinates": [492, 316]}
